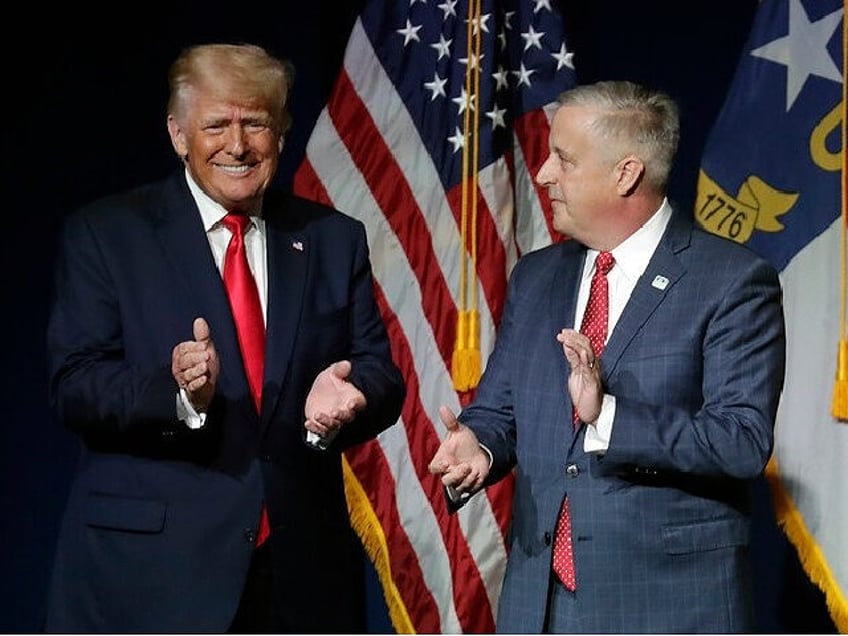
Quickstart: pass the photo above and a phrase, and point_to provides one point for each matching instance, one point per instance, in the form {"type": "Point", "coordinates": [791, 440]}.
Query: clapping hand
{"type": "Point", "coordinates": [195, 366]}
{"type": "Point", "coordinates": [332, 401]}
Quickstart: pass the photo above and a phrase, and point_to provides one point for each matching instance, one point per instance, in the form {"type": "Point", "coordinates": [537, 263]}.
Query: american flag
{"type": "Point", "coordinates": [435, 127]}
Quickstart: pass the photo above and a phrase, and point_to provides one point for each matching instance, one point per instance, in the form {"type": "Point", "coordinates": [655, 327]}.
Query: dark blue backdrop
{"type": "Point", "coordinates": [84, 99]}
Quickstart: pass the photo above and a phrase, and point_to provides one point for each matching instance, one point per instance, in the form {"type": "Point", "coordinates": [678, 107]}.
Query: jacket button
{"type": "Point", "coordinates": [250, 535]}
{"type": "Point", "coordinates": [547, 538]}
{"type": "Point", "coordinates": [571, 470]}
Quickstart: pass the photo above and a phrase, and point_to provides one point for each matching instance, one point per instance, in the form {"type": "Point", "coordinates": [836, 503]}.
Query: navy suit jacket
{"type": "Point", "coordinates": [660, 522]}
{"type": "Point", "coordinates": [161, 519]}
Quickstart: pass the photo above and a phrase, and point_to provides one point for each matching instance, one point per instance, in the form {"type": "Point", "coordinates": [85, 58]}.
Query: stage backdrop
{"type": "Point", "coordinates": [84, 116]}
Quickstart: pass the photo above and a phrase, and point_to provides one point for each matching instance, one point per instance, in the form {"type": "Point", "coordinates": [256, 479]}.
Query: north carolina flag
{"type": "Point", "coordinates": [435, 128]}
{"type": "Point", "coordinates": [772, 177]}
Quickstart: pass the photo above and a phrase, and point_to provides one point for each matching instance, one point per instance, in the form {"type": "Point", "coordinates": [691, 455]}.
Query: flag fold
{"type": "Point", "coordinates": [772, 176]}
{"type": "Point", "coordinates": [433, 132]}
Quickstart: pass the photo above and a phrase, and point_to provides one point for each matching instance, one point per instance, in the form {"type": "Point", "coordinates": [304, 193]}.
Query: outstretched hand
{"type": "Point", "coordinates": [460, 461]}
{"type": "Point", "coordinates": [195, 366]}
{"type": "Point", "coordinates": [332, 401]}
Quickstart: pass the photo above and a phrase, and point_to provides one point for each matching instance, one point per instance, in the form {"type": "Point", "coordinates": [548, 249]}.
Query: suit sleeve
{"type": "Point", "coordinates": [373, 370]}
{"type": "Point", "coordinates": [92, 386]}
{"type": "Point", "coordinates": [491, 415]}
{"type": "Point", "coordinates": [742, 349]}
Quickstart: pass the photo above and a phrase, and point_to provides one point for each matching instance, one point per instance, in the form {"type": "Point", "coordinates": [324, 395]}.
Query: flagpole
{"type": "Point", "coordinates": [466, 360]}
{"type": "Point", "coordinates": [474, 355]}
{"type": "Point", "coordinates": [839, 403]}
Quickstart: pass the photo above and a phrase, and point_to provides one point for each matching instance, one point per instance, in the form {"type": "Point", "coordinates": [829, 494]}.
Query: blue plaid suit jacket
{"type": "Point", "coordinates": [661, 521]}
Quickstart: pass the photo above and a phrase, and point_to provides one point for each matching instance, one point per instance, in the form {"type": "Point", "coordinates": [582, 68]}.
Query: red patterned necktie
{"type": "Point", "coordinates": [250, 324]}
{"type": "Point", "coordinates": [594, 326]}
{"type": "Point", "coordinates": [596, 317]}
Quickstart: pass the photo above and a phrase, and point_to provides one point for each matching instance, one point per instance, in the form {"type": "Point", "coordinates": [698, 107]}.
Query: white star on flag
{"type": "Point", "coordinates": [803, 51]}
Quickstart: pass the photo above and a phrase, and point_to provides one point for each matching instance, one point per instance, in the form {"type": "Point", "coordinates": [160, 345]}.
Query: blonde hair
{"type": "Point", "coordinates": [636, 120]}
{"type": "Point", "coordinates": [232, 70]}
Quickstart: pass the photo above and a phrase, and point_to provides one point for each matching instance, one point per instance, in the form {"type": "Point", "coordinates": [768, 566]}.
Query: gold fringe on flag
{"type": "Point", "coordinates": [466, 363]}
{"type": "Point", "coordinates": [364, 520]}
{"type": "Point", "coordinates": [839, 403]}
{"type": "Point", "coordinates": [791, 521]}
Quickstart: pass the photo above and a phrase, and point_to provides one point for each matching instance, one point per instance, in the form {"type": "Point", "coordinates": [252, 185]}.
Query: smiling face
{"type": "Point", "coordinates": [231, 145]}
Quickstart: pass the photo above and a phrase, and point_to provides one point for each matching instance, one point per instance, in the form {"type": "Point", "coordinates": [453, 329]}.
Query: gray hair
{"type": "Point", "coordinates": [636, 119]}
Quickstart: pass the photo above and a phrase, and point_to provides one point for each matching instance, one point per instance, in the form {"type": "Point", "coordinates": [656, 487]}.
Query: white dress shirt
{"type": "Point", "coordinates": [219, 236]}
{"type": "Point", "coordinates": [631, 260]}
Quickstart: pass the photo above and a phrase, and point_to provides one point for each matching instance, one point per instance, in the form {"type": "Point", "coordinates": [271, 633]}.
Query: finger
{"type": "Point", "coordinates": [473, 481]}
{"type": "Point", "coordinates": [571, 354]}
{"type": "Point", "coordinates": [195, 371]}
{"type": "Point", "coordinates": [463, 474]}
{"type": "Point", "coordinates": [197, 383]}
{"type": "Point", "coordinates": [194, 358]}
{"type": "Point", "coordinates": [437, 466]}
{"type": "Point", "coordinates": [448, 419]}
{"type": "Point", "coordinates": [317, 427]}
{"type": "Point", "coordinates": [341, 369]}
{"type": "Point", "coordinates": [460, 476]}
{"type": "Point", "coordinates": [200, 329]}
{"type": "Point", "coordinates": [451, 479]}
{"type": "Point", "coordinates": [327, 420]}
{"type": "Point", "coordinates": [187, 349]}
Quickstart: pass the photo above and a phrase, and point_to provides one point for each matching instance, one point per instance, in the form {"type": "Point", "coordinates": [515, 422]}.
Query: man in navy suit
{"type": "Point", "coordinates": [180, 465]}
{"type": "Point", "coordinates": [654, 443]}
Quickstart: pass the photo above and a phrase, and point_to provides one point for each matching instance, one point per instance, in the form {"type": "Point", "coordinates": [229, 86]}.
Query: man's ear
{"type": "Point", "coordinates": [629, 172]}
{"type": "Point", "coordinates": [178, 140]}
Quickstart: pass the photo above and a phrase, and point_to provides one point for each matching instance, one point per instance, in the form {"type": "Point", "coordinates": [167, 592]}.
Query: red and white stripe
{"type": "Point", "coordinates": [441, 573]}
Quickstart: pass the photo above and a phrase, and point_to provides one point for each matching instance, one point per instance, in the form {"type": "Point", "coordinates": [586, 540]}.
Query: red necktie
{"type": "Point", "coordinates": [594, 326]}
{"type": "Point", "coordinates": [250, 324]}
{"type": "Point", "coordinates": [596, 317]}
{"type": "Point", "coordinates": [244, 301]}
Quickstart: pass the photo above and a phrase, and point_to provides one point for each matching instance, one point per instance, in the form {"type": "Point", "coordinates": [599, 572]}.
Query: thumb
{"type": "Point", "coordinates": [201, 329]}
{"type": "Point", "coordinates": [448, 419]}
{"type": "Point", "coordinates": [341, 369]}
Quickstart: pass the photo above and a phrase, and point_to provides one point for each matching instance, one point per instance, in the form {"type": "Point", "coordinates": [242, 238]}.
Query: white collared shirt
{"type": "Point", "coordinates": [631, 260]}
{"type": "Point", "coordinates": [219, 236]}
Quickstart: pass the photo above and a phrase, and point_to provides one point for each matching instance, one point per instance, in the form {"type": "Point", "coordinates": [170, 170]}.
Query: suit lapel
{"type": "Point", "coordinates": [563, 295]}
{"type": "Point", "coordinates": [187, 247]}
{"type": "Point", "coordinates": [663, 271]}
{"type": "Point", "coordinates": [289, 253]}
{"type": "Point", "coordinates": [566, 284]}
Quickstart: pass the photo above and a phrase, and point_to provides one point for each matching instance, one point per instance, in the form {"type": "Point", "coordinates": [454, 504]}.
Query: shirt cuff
{"type": "Point", "coordinates": [186, 412]}
{"type": "Point", "coordinates": [597, 437]}
{"type": "Point", "coordinates": [321, 443]}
